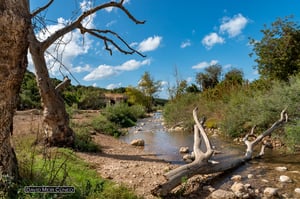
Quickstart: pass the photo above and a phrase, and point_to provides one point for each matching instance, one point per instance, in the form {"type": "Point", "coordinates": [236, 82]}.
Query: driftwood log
{"type": "Point", "coordinates": [203, 164]}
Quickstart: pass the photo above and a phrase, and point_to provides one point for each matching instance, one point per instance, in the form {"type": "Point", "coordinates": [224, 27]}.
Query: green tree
{"type": "Point", "coordinates": [278, 52]}
{"type": "Point", "coordinates": [136, 97]}
{"type": "Point", "coordinates": [234, 77]}
{"type": "Point", "coordinates": [148, 85]}
{"type": "Point", "coordinates": [210, 78]}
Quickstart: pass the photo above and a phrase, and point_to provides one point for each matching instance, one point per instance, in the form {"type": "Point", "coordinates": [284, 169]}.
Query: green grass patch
{"type": "Point", "coordinates": [43, 166]}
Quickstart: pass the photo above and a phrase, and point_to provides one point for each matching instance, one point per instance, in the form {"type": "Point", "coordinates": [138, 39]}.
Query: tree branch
{"type": "Point", "coordinates": [97, 33]}
{"type": "Point", "coordinates": [77, 23]}
{"type": "Point", "coordinates": [39, 10]}
{"type": "Point", "coordinates": [250, 145]}
{"type": "Point", "coordinates": [61, 86]}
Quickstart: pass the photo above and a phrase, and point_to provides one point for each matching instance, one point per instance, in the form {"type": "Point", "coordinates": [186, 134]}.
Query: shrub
{"type": "Point", "coordinates": [293, 136]}
{"type": "Point", "coordinates": [123, 115]}
{"type": "Point", "coordinates": [84, 141]}
{"type": "Point", "coordinates": [103, 125]}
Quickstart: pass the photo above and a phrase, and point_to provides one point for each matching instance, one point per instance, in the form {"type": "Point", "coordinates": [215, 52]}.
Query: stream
{"type": "Point", "coordinates": [166, 146]}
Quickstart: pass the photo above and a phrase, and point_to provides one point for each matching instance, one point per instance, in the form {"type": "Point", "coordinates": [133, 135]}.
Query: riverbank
{"type": "Point", "coordinates": [142, 170]}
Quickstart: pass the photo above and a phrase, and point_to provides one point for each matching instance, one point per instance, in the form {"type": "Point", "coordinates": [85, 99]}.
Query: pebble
{"type": "Point", "coordinates": [270, 192]}
{"type": "Point", "coordinates": [281, 169]}
{"type": "Point", "coordinates": [236, 178]}
{"type": "Point", "coordinates": [297, 190]}
{"type": "Point", "coordinates": [284, 178]}
{"type": "Point", "coordinates": [250, 176]}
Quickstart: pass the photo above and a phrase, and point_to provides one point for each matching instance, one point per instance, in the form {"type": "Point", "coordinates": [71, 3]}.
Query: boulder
{"type": "Point", "coordinates": [297, 190]}
{"type": "Point", "coordinates": [138, 142]}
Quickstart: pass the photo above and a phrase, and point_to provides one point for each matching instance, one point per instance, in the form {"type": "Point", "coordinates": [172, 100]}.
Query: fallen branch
{"type": "Point", "coordinates": [203, 163]}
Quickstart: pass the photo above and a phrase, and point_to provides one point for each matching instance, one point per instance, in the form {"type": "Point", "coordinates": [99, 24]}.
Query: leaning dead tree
{"type": "Point", "coordinates": [55, 117]}
{"type": "Point", "coordinates": [203, 164]}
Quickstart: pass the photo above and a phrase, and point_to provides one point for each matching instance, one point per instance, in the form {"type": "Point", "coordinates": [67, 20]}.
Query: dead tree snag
{"type": "Point", "coordinates": [203, 164]}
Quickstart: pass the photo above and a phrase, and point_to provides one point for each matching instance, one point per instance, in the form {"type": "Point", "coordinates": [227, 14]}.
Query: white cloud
{"type": "Point", "coordinates": [101, 72]}
{"type": "Point", "coordinates": [233, 26]}
{"type": "Point", "coordinates": [204, 64]}
{"type": "Point", "coordinates": [185, 44]}
{"type": "Point", "coordinates": [94, 84]}
{"type": "Point", "coordinates": [79, 69]}
{"type": "Point", "coordinates": [104, 71]}
{"type": "Point", "coordinates": [113, 86]}
{"type": "Point", "coordinates": [210, 40]}
{"type": "Point", "coordinates": [132, 65]}
{"type": "Point", "coordinates": [150, 44]}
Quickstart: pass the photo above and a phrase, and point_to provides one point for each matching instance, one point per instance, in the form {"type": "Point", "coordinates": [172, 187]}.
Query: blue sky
{"type": "Point", "coordinates": [187, 35]}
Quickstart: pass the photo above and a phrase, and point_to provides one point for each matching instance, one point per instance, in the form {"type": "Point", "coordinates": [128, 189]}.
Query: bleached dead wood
{"type": "Point", "coordinates": [203, 164]}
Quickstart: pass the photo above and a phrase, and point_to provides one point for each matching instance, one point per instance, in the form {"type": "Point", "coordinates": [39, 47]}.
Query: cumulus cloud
{"type": "Point", "coordinates": [185, 44]}
{"type": "Point", "coordinates": [233, 26]}
{"type": "Point", "coordinates": [204, 64]}
{"type": "Point", "coordinates": [80, 69]}
{"type": "Point", "coordinates": [212, 39]}
{"type": "Point", "coordinates": [113, 86]}
{"type": "Point", "coordinates": [104, 71]}
{"type": "Point", "coordinates": [149, 44]}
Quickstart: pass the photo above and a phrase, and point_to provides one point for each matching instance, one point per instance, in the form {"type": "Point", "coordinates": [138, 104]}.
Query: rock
{"type": "Point", "coordinates": [209, 188]}
{"type": "Point", "coordinates": [222, 194]}
{"type": "Point", "coordinates": [184, 149]}
{"type": "Point", "coordinates": [297, 190]}
{"type": "Point", "coordinates": [270, 192]}
{"type": "Point", "coordinates": [236, 178]}
{"type": "Point", "coordinates": [138, 142]}
{"type": "Point", "coordinates": [238, 189]}
{"type": "Point", "coordinates": [280, 168]}
{"type": "Point", "coordinates": [188, 158]}
{"type": "Point", "coordinates": [284, 178]}
{"type": "Point", "coordinates": [250, 176]}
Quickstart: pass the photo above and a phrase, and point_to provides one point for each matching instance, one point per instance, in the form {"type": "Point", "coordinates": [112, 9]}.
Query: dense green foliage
{"type": "Point", "coordinates": [278, 52]}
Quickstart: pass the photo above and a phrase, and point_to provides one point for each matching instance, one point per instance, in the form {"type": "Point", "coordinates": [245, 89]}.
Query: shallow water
{"type": "Point", "coordinates": [166, 145]}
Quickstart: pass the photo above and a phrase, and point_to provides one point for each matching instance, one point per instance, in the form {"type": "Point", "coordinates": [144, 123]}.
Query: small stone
{"type": "Point", "coordinates": [184, 149]}
{"type": "Point", "coordinates": [236, 178]}
{"type": "Point", "coordinates": [297, 190]}
{"type": "Point", "coordinates": [264, 180]}
{"type": "Point", "coordinates": [270, 192]}
{"type": "Point", "coordinates": [250, 176]}
{"type": "Point", "coordinates": [209, 188]}
{"type": "Point", "coordinates": [237, 187]}
{"type": "Point", "coordinates": [138, 142]}
{"type": "Point", "coordinates": [222, 194]}
{"type": "Point", "coordinates": [280, 168]}
{"type": "Point", "coordinates": [284, 178]}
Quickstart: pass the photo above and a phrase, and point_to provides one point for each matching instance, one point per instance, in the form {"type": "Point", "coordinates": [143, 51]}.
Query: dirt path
{"type": "Point", "coordinates": [118, 161]}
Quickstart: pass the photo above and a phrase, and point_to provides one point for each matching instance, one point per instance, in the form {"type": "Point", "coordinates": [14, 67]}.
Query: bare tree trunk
{"type": "Point", "coordinates": [55, 117]}
{"type": "Point", "coordinates": [14, 23]}
{"type": "Point", "coordinates": [202, 163]}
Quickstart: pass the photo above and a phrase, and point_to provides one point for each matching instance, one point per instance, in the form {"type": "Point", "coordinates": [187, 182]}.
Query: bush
{"type": "Point", "coordinates": [84, 141]}
{"type": "Point", "coordinates": [123, 115]}
{"type": "Point", "coordinates": [103, 125]}
{"type": "Point", "coordinates": [293, 136]}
